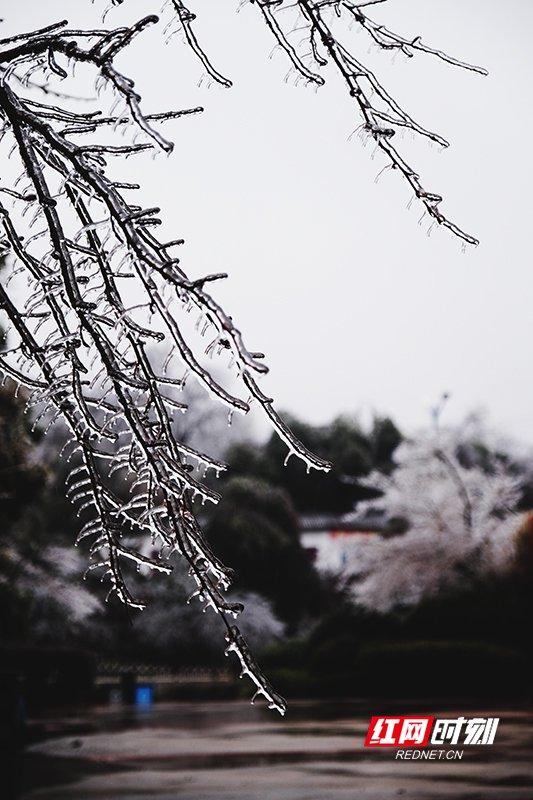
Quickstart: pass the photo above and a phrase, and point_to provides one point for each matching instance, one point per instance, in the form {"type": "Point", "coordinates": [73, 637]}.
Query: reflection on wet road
{"type": "Point", "coordinates": [230, 751]}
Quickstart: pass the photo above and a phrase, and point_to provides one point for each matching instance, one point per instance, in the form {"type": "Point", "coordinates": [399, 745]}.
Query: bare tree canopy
{"type": "Point", "coordinates": [312, 34]}
{"type": "Point", "coordinates": [82, 350]}
{"type": "Point", "coordinates": [88, 354]}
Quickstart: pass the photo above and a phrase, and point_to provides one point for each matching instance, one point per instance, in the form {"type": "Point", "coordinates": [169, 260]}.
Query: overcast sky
{"type": "Point", "coordinates": [331, 275]}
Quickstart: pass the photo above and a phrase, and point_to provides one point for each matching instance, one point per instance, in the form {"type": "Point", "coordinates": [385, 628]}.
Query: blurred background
{"type": "Point", "coordinates": [401, 581]}
{"type": "Point", "coordinates": [365, 590]}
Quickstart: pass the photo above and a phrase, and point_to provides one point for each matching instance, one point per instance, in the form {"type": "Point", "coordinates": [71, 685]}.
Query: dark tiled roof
{"type": "Point", "coordinates": [315, 523]}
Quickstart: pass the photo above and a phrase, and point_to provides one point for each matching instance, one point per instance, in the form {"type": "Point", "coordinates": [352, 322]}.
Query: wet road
{"type": "Point", "coordinates": [230, 751]}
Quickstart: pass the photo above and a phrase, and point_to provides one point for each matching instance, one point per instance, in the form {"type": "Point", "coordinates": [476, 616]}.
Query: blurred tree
{"type": "Point", "coordinates": [177, 633]}
{"type": "Point", "coordinates": [460, 515]}
{"type": "Point", "coordinates": [21, 476]}
{"type": "Point", "coordinates": [18, 477]}
{"type": "Point", "coordinates": [41, 596]}
{"type": "Point", "coordinates": [256, 530]}
{"type": "Point", "coordinates": [352, 452]}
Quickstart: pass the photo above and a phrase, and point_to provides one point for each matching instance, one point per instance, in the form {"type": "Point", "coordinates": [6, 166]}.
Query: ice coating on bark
{"type": "Point", "coordinates": [90, 356]}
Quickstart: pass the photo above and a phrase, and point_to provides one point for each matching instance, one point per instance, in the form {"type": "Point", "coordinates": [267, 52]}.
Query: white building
{"type": "Point", "coordinates": [327, 538]}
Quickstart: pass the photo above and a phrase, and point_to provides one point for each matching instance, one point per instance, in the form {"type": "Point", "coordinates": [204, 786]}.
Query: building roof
{"type": "Point", "coordinates": [323, 523]}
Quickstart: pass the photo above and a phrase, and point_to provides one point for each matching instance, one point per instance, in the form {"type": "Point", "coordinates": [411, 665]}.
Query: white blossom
{"type": "Point", "coordinates": [460, 521]}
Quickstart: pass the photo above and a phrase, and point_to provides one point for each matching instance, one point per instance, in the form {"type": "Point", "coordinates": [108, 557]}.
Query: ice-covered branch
{"type": "Point", "coordinates": [182, 19]}
{"type": "Point", "coordinates": [382, 116]}
{"type": "Point", "coordinates": [388, 40]}
{"type": "Point", "coordinates": [186, 18]}
{"type": "Point", "coordinates": [311, 41]}
{"type": "Point", "coordinates": [91, 358]}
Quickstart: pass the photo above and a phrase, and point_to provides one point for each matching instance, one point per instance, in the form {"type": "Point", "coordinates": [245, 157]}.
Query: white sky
{"type": "Point", "coordinates": [330, 274]}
